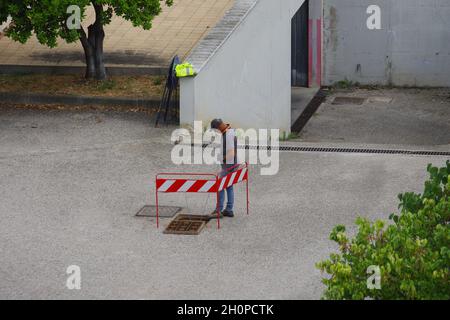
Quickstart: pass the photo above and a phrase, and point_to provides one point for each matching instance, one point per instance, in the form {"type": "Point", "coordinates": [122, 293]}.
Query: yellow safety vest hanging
{"type": "Point", "coordinates": [184, 70]}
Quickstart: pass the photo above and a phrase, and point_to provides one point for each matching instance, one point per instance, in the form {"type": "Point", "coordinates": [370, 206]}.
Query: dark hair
{"type": "Point", "coordinates": [215, 124]}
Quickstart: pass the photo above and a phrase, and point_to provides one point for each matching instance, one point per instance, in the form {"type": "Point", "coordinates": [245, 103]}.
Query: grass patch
{"type": "Point", "coordinates": [106, 85]}
{"type": "Point", "coordinates": [115, 86]}
{"type": "Point", "coordinates": [291, 136]}
{"type": "Point", "coordinates": [345, 84]}
{"type": "Point", "coordinates": [158, 81]}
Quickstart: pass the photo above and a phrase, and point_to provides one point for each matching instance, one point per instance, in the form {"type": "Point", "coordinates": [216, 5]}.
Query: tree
{"type": "Point", "coordinates": [410, 256]}
{"type": "Point", "coordinates": [48, 20]}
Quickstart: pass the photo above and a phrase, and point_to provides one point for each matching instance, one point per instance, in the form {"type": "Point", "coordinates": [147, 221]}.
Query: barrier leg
{"type": "Point", "coordinates": [218, 211]}
{"type": "Point", "coordinates": [247, 196]}
{"type": "Point", "coordinates": [246, 181]}
{"type": "Point", "coordinates": [157, 210]}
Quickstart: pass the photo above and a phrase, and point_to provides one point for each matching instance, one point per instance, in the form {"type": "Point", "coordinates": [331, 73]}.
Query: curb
{"type": "Point", "coordinates": [58, 70]}
{"type": "Point", "coordinates": [31, 98]}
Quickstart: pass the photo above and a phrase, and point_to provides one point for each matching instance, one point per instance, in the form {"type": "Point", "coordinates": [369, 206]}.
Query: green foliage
{"type": "Point", "coordinates": [290, 136]}
{"type": "Point", "coordinates": [345, 84]}
{"type": "Point", "coordinates": [157, 81]}
{"type": "Point", "coordinates": [413, 251]}
{"type": "Point", "coordinates": [47, 18]}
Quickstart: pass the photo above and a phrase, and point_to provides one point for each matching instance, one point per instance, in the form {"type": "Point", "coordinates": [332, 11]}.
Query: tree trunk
{"type": "Point", "coordinates": [93, 47]}
{"type": "Point", "coordinates": [88, 55]}
{"type": "Point", "coordinates": [99, 63]}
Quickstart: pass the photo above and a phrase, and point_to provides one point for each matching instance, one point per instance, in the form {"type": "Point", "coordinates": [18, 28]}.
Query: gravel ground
{"type": "Point", "coordinates": [71, 183]}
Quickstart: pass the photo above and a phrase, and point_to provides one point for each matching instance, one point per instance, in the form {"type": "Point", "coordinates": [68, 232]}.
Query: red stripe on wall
{"type": "Point", "coordinates": [319, 53]}
{"type": "Point", "coordinates": [310, 52]}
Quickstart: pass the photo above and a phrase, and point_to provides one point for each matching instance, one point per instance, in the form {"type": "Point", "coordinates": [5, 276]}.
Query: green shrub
{"type": "Point", "coordinates": [412, 252]}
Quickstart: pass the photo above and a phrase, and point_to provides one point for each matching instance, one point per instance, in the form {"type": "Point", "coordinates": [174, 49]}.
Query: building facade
{"type": "Point", "coordinates": [387, 42]}
{"type": "Point", "coordinates": [249, 61]}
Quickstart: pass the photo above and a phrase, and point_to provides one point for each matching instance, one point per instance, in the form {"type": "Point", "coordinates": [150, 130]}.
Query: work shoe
{"type": "Point", "coordinates": [213, 215]}
{"type": "Point", "coordinates": [227, 213]}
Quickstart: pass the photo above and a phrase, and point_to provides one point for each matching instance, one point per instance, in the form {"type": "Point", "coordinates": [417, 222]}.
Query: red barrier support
{"type": "Point", "coordinates": [208, 183]}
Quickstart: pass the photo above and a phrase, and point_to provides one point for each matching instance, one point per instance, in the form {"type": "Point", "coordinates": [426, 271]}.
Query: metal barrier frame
{"type": "Point", "coordinates": [215, 188]}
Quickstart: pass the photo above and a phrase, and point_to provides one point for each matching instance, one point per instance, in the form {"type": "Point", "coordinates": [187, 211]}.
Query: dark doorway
{"type": "Point", "coordinates": [299, 50]}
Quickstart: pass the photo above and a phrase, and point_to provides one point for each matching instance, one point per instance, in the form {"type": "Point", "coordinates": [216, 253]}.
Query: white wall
{"type": "Point", "coordinates": [247, 81]}
{"type": "Point", "coordinates": [412, 48]}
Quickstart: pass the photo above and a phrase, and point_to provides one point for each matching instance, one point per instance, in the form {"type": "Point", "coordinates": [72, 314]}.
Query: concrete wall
{"type": "Point", "coordinates": [411, 49]}
{"type": "Point", "coordinates": [247, 81]}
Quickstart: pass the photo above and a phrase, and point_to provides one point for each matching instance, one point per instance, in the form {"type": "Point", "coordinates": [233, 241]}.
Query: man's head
{"type": "Point", "coordinates": [218, 124]}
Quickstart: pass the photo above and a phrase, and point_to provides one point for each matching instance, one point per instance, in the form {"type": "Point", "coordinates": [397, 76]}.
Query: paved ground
{"type": "Point", "coordinates": [175, 31]}
{"type": "Point", "coordinates": [71, 183]}
{"type": "Point", "coordinates": [413, 117]}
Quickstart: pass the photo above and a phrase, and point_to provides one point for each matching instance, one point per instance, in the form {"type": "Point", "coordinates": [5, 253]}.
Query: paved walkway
{"type": "Point", "coordinates": [419, 117]}
{"type": "Point", "coordinates": [175, 31]}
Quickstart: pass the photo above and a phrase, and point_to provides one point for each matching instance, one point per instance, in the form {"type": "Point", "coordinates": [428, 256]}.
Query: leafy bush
{"type": "Point", "coordinates": [412, 252]}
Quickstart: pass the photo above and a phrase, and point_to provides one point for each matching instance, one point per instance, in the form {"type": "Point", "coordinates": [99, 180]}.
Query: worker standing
{"type": "Point", "coordinates": [229, 164]}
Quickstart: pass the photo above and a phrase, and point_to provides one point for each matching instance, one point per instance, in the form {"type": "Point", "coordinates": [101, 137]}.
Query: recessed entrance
{"type": "Point", "coordinates": [300, 46]}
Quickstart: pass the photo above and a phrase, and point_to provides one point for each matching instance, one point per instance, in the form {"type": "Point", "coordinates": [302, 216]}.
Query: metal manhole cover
{"type": "Point", "coordinates": [185, 227]}
{"type": "Point", "coordinates": [348, 100]}
{"type": "Point", "coordinates": [186, 224]}
{"type": "Point", "coordinates": [164, 211]}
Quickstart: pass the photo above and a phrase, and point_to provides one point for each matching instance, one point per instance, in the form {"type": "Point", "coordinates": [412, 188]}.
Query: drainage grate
{"type": "Point", "coordinates": [344, 150]}
{"type": "Point", "coordinates": [348, 100]}
{"type": "Point", "coordinates": [187, 225]}
{"type": "Point", "coordinates": [352, 150]}
{"type": "Point", "coordinates": [164, 211]}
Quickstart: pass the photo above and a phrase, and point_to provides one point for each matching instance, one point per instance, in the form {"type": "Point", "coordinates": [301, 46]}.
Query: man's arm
{"type": "Point", "coordinates": [230, 146]}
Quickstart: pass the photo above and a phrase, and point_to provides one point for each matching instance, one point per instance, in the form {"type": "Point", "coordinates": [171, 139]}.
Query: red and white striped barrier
{"type": "Point", "coordinates": [208, 183]}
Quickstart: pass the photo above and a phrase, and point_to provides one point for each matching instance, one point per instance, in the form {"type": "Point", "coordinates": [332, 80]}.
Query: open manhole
{"type": "Point", "coordinates": [185, 224]}
{"type": "Point", "coordinates": [164, 211]}
{"type": "Point", "coordinates": [193, 217]}
{"type": "Point", "coordinates": [348, 100]}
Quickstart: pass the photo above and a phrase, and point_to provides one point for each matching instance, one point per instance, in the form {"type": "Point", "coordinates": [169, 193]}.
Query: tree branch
{"type": "Point", "coordinates": [83, 37]}
{"type": "Point", "coordinates": [98, 14]}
